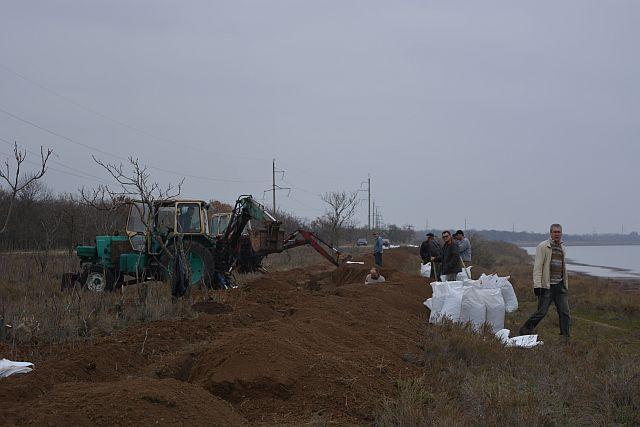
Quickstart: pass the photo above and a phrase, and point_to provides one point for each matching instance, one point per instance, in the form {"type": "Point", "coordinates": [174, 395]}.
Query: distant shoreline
{"type": "Point", "coordinates": [635, 277]}
{"type": "Point", "coordinates": [534, 244]}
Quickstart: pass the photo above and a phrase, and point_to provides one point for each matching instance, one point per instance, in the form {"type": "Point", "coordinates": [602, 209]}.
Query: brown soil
{"type": "Point", "coordinates": [291, 347]}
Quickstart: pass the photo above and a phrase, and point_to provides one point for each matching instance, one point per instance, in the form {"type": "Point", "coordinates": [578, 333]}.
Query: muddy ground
{"type": "Point", "coordinates": [311, 345]}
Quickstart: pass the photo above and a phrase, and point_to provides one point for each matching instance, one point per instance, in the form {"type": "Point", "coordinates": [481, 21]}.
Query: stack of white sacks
{"type": "Point", "coordinates": [485, 300]}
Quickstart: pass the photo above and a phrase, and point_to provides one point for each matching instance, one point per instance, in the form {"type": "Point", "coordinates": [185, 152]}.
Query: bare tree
{"type": "Point", "coordinates": [17, 182]}
{"type": "Point", "coordinates": [132, 184]}
{"type": "Point", "coordinates": [135, 184]}
{"type": "Point", "coordinates": [340, 210]}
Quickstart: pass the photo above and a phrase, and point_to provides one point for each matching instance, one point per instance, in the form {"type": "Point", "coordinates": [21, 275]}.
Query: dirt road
{"type": "Point", "coordinates": [292, 347]}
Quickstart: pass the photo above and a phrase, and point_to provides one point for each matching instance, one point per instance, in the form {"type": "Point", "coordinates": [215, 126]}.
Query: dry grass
{"type": "Point", "coordinates": [39, 315]}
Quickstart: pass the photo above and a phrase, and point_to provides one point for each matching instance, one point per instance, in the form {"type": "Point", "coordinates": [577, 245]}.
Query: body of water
{"type": "Point", "coordinates": [603, 261]}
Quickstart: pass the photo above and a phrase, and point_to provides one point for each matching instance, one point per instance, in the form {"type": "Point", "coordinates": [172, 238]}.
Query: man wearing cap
{"type": "Point", "coordinates": [464, 245]}
{"type": "Point", "coordinates": [430, 248]}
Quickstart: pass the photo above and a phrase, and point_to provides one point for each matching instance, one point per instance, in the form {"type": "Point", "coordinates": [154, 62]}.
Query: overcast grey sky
{"type": "Point", "coordinates": [503, 112]}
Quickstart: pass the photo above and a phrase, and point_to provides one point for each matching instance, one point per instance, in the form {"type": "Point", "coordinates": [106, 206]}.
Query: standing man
{"type": "Point", "coordinates": [550, 282]}
{"type": "Point", "coordinates": [377, 249]}
{"type": "Point", "coordinates": [449, 257]}
{"type": "Point", "coordinates": [465, 247]}
{"type": "Point", "coordinates": [430, 248]}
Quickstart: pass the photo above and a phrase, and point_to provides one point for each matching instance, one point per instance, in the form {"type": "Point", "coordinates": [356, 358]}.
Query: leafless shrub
{"type": "Point", "coordinates": [19, 182]}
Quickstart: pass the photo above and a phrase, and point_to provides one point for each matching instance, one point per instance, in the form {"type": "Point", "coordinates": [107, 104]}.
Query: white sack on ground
{"type": "Point", "coordinates": [9, 367]}
{"type": "Point", "coordinates": [464, 276]}
{"type": "Point", "coordinates": [524, 341]}
{"type": "Point", "coordinates": [489, 281]}
{"type": "Point", "coordinates": [425, 270]}
{"type": "Point", "coordinates": [473, 308]}
{"type": "Point", "coordinates": [453, 301]}
{"type": "Point", "coordinates": [509, 295]}
{"type": "Point", "coordinates": [494, 304]}
{"type": "Point", "coordinates": [475, 301]}
{"type": "Point", "coordinates": [440, 292]}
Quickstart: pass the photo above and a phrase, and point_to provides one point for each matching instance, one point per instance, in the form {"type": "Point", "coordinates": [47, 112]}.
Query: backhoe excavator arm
{"type": "Point", "coordinates": [263, 240]}
{"type": "Point", "coordinates": [304, 237]}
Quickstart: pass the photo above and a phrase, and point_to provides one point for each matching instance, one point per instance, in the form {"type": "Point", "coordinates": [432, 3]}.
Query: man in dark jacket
{"type": "Point", "coordinates": [430, 248]}
{"type": "Point", "coordinates": [449, 257]}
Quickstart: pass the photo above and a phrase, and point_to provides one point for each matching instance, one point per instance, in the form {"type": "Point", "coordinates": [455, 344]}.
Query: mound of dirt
{"type": "Point", "coordinates": [210, 307]}
{"type": "Point", "coordinates": [291, 347]}
{"type": "Point", "coordinates": [139, 401]}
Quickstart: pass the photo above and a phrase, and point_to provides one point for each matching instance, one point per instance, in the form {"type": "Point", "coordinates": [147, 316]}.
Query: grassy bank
{"type": "Point", "coordinates": [471, 379]}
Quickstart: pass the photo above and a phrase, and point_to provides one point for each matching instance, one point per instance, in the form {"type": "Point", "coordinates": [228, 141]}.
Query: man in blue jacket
{"type": "Point", "coordinates": [464, 246]}
{"type": "Point", "coordinates": [377, 249]}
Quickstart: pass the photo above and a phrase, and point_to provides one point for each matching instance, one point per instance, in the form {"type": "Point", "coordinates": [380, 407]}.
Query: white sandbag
{"type": "Point", "coordinates": [453, 301]}
{"type": "Point", "coordinates": [425, 270]}
{"type": "Point", "coordinates": [9, 367]}
{"type": "Point", "coordinates": [439, 294]}
{"type": "Point", "coordinates": [524, 341]}
{"type": "Point", "coordinates": [508, 294]}
{"type": "Point", "coordinates": [472, 308]}
{"type": "Point", "coordinates": [489, 281]}
{"type": "Point", "coordinates": [495, 308]}
{"type": "Point", "coordinates": [464, 274]}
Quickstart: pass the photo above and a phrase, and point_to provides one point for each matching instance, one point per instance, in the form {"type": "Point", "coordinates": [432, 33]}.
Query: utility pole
{"type": "Point", "coordinates": [275, 186]}
{"type": "Point", "coordinates": [374, 213]}
{"type": "Point", "coordinates": [368, 190]}
{"type": "Point", "coordinates": [369, 200]}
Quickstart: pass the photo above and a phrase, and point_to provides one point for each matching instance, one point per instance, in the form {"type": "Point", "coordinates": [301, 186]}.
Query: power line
{"type": "Point", "coordinates": [75, 170]}
{"type": "Point", "coordinates": [56, 170]}
{"type": "Point", "coordinates": [116, 121]}
{"type": "Point", "coordinates": [89, 147]}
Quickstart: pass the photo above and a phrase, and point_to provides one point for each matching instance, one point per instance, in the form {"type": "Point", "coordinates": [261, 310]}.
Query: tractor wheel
{"type": "Point", "coordinates": [199, 262]}
{"type": "Point", "coordinates": [96, 278]}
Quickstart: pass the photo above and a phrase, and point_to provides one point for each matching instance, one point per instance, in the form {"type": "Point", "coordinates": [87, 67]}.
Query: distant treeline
{"type": "Point", "coordinates": [44, 221]}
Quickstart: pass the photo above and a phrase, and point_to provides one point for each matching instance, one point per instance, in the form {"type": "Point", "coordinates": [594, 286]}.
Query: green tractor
{"type": "Point", "coordinates": [154, 234]}
{"type": "Point", "coordinates": [172, 239]}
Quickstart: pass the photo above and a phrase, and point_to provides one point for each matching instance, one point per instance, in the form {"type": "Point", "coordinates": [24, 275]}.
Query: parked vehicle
{"type": "Point", "coordinates": [361, 242]}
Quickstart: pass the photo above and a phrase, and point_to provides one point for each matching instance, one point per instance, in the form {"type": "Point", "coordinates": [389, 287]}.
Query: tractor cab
{"type": "Point", "coordinates": [168, 219]}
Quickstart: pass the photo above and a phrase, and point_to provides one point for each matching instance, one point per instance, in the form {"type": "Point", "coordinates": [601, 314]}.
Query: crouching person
{"type": "Point", "coordinates": [373, 277]}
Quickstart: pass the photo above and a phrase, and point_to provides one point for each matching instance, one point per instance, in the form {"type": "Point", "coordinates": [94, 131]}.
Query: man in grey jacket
{"type": "Point", "coordinates": [550, 282]}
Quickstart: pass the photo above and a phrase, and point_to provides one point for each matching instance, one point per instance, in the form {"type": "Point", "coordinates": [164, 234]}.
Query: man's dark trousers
{"type": "Point", "coordinates": [436, 268]}
{"type": "Point", "coordinates": [377, 256]}
{"type": "Point", "coordinates": [559, 295]}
